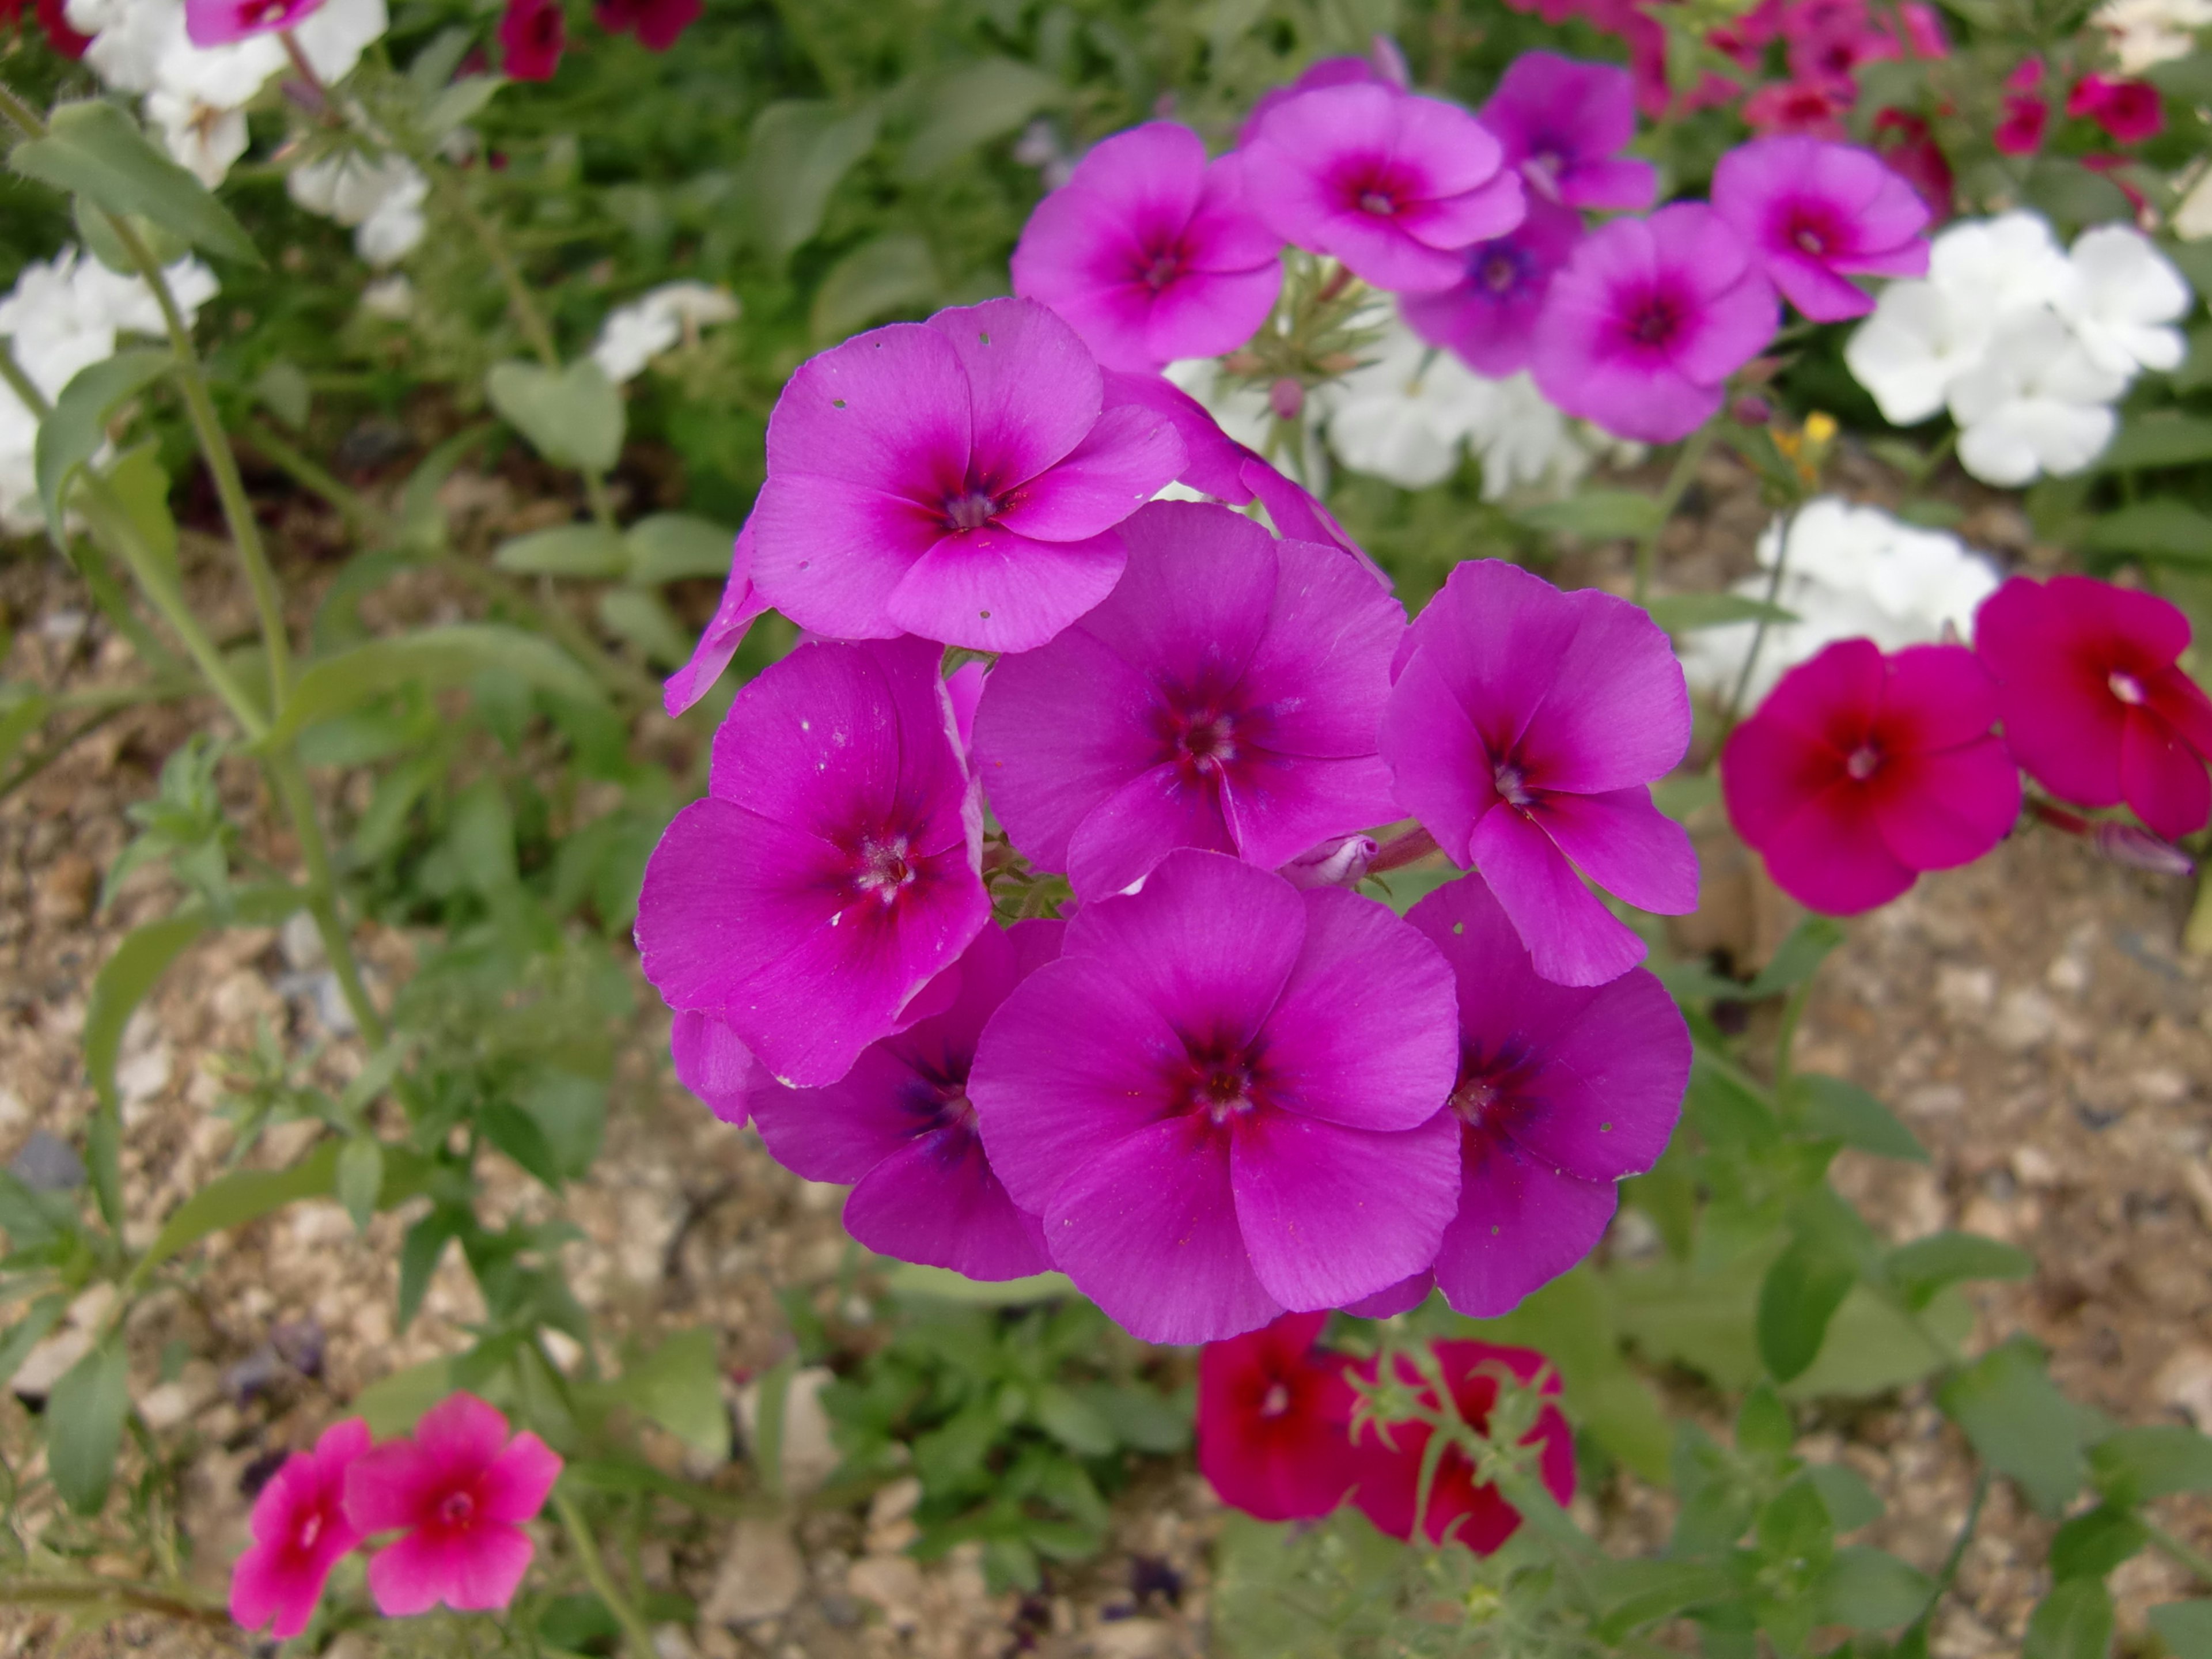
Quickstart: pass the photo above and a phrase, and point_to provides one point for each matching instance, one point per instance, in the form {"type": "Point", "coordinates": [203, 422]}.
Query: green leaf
{"type": "Point", "coordinates": [1927, 1265]}
{"type": "Point", "coordinates": [890, 274]}
{"type": "Point", "coordinates": [569, 550]}
{"type": "Point", "coordinates": [26, 1333]}
{"type": "Point", "coordinates": [2186, 1628]}
{"type": "Point", "coordinates": [1835, 1110]}
{"type": "Point", "coordinates": [1595, 515]}
{"type": "Point", "coordinates": [1635, 1592]}
{"type": "Point", "coordinates": [2168, 438]}
{"type": "Point", "coordinates": [2008, 1407]}
{"type": "Point", "coordinates": [1851, 1502]}
{"type": "Point", "coordinates": [73, 434]}
{"type": "Point", "coordinates": [572, 417]}
{"type": "Point", "coordinates": [910, 1279]}
{"type": "Point", "coordinates": [1140, 1418]}
{"type": "Point", "coordinates": [2074, 194]}
{"type": "Point", "coordinates": [2093, 1543]}
{"type": "Point", "coordinates": [84, 1424]}
{"type": "Point", "coordinates": [141, 487]}
{"type": "Point", "coordinates": [1724, 1108]}
{"type": "Point", "coordinates": [94, 149]}
{"type": "Point", "coordinates": [121, 984]}
{"type": "Point", "coordinates": [360, 1178]}
{"type": "Point", "coordinates": [515, 1132]}
{"type": "Point", "coordinates": [680, 1386]}
{"type": "Point", "coordinates": [1799, 959]}
{"type": "Point", "coordinates": [639, 616]}
{"type": "Point", "coordinates": [22, 712]}
{"type": "Point", "coordinates": [571, 1112]}
{"type": "Point", "coordinates": [1680, 613]}
{"type": "Point", "coordinates": [457, 104]}
{"type": "Point", "coordinates": [1763, 1424]}
{"type": "Point", "coordinates": [1868, 1589]}
{"type": "Point", "coordinates": [800, 149]}
{"type": "Point", "coordinates": [670, 546]}
{"type": "Point", "coordinates": [2074, 1621]}
{"type": "Point", "coordinates": [2159, 528]}
{"type": "Point", "coordinates": [1073, 1421]}
{"type": "Point", "coordinates": [282, 388]}
{"type": "Point", "coordinates": [433, 659]}
{"type": "Point", "coordinates": [967, 105]}
{"type": "Point", "coordinates": [419, 1253]}
{"type": "Point", "coordinates": [2136, 1464]}
{"type": "Point", "coordinates": [1801, 1293]}
{"type": "Point", "coordinates": [393, 1405]}
{"type": "Point", "coordinates": [243, 1195]}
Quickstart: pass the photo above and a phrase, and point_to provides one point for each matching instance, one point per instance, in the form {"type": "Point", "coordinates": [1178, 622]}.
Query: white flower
{"type": "Point", "coordinates": [1915, 345]}
{"type": "Point", "coordinates": [1404, 415]}
{"type": "Point", "coordinates": [201, 137]}
{"type": "Point", "coordinates": [2192, 219]}
{"type": "Point", "coordinates": [2148, 32]}
{"type": "Point", "coordinates": [2036, 402]}
{"type": "Point", "coordinates": [633, 335]}
{"type": "Point", "coordinates": [382, 196]}
{"type": "Point", "coordinates": [1526, 442]}
{"type": "Point", "coordinates": [395, 228]}
{"type": "Point", "coordinates": [129, 38]}
{"type": "Point", "coordinates": [391, 298]}
{"type": "Point", "coordinates": [2001, 266]}
{"type": "Point", "coordinates": [333, 36]}
{"type": "Point", "coordinates": [2124, 293]}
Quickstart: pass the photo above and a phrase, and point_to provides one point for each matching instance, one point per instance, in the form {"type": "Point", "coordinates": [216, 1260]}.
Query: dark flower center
{"type": "Point", "coordinates": [1164, 266]}
{"type": "Point", "coordinates": [1500, 269]}
{"type": "Point", "coordinates": [2126, 687]}
{"type": "Point", "coordinates": [1864, 761]}
{"type": "Point", "coordinates": [1654, 320]}
{"type": "Point", "coordinates": [971, 509]}
{"type": "Point", "coordinates": [1512, 784]}
{"type": "Point", "coordinates": [1219, 1079]}
{"type": "Point", "coordinates": [1206, 744]}
{"type": "Point", "coordinates": [1382, 204]}
{"type": "Point", "coordinates": [887, 867]}
{"type": "Point", "coordinates": [1475, 1099]}
{"type": "Point", "coordinates": [456, 1509]}
{"type": "Point", "coordinates": [1277, 1399]}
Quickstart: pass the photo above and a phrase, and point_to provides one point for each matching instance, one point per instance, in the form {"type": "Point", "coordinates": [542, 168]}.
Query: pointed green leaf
{"type": "Point", "coordinates": [1869, 1588]}
{"type": "Point", "coordinates": [84, 1424]}
{"type": "Point", "coordinates": [799, 150]}
{"type": "Point", "coordinates": [2074, 1621]}
{"type": "Point", "coordinates": [73, 434]}
{"type": "Point", "coordinates": [670, 546]}
{"type": "Point", "coordinates": [1680, 613]}
{"type": "Point", "coordinates": [1833, 1109]}
{"type": "Point", "coordinates": [2020, 1423]}
{"type": "Point", "coordinates": [26, 1333]}
{"type": "Point", "coordinates": [94, 149]}
{"type": "Point", "coordinates": [567, 549]}
{"type": "Point", "coordinates": [121, 984]}
{"type": "Point", "coordinates": [360, 1179]}
{"type": "Point", "coordinates": [1801, 1293]}
{"type": "Point", "coordinates": [2186, 1628]}
{"type": "Point", "coordinates": [242, 1195]}
{"type": "Point", "coordinates": [1595, 515]}
{"type": "Point", "coordinates": [1927, 1265]}
{"type": "Point", "coordinates": [2136, 1464]}
{"type": "Point", "coordinates": [967, 105]}
{"type": "Point", "coordinates": [680, 1386]}
{"type": "Point", "coordinates": [434, 658]}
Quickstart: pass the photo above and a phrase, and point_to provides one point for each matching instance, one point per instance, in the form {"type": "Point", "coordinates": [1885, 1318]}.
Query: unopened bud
{"type": "Point", "coordinates": [1338, 863]}
{"type": "Point", "coordinates": [1287, 397]}
{"type": "Point", "coordinates": [1241, 362]}
{"type": "Point", "coordinates": [2139, 849]}
{"type": "Point", "coordinates": [1750, 410]}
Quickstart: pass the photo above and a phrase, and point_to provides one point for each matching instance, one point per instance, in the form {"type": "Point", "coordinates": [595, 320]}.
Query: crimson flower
{"type": "Point", "coordinates": [531, 34]}
{"type": "Point", "coordinates": [2026, 112]}
{"type": "Point", "coordinates": [2129, 110]}
{"type": "Point", "coordinates": [1273, 1421]}
{"type": "Point", "coordinates": [655, 22]}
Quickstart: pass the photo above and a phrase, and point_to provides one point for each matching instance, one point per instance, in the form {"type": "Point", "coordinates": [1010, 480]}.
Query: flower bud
{"type": "Point", "coordinates": [1338, 863]}
{"type": "Point", "coordinates": [1287, 397]}
{"type": "Point", "coordinates": [2139, 849]}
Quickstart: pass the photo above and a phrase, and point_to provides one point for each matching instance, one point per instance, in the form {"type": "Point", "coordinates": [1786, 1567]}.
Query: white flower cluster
{"type": "Point", "coordinates": [380, 196]}
{"type": "Point", "coordinates": [2027, 345]}
{"type": "Point", "coordinates": [197, 95]}
{"type": "Point", "coordinates": [634, 335]}
{"type": "Point", "coordinates": [2148, 32]}
{"type": "Point", "coordinates": [62, 316]}
{"type": "Point", "coordinates": [1851, 572]}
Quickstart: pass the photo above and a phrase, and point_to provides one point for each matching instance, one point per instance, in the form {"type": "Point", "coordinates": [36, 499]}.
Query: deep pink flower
{"type": "Point", "coordinates": [531, 34]}
{"type": "Point", "coordinates": [1828, 39]}
{"type": "Point", "coordinates": [2027, 111]}
{"type": "Point", "coordinates": [657, 23]}
{"type": "Point", "coordinates": [955, 479]}
{"type": "Point", "coordinates": [1860, 771]}
{"type": "Point", "coordinates": [1649, 317]}
{"type": "Point", "coordinates": [1275, 1416]}
{"type": "Point", "coordinates": [1563, 1090]}
{"type": "Point", "coordinates": [898, 1129]}
{"type": "Point", "coordinates": [2094, 703]}
{"type": "Point", "coordinates": [1522, 731]}
{"type": "Point", "coordinates": [219, 22]}
{"type": "Point", "coordinates": [1150, 252]}
{"type": "Point", "coordinates": [832, 869]}
{"type": "Point", "coordinates": [1562, 123]}
{"type": "Point", "coordinates": [1814, 108]}
{"type": "Point", "coordinates": [299, 1531]}
{"type": "Point", "coordinates": [460, 1491]}
{"type": "Point", "coordinates": [1746, 38]}
{"type": "Point", "coordinates": [1924, 30]}
{"type": "Point", "coordinates": [1460, 1512]}
{"type": "Point", "coordinates": [1225, 1100]}
{"type": "Point", "coordinates": [1907, 147]}
{"type": "Point", "coordinates": [1815, 214]}
{"type": "Point", "coordinates": [1489, 316]}
{"type": "Point", "coordinates": [2128, 110]}
{"type": "Point", "coordinates": [1384, 67]}
{"type": "Point", "coordinates": [1226, 696]}
{"type": "Point", "coordinates": [1392, 184]}
{"type": "Point", "coordinates": [740, 606]}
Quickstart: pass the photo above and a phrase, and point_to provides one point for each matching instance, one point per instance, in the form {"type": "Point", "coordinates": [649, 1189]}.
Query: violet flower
{"type": "Point", "coordinates": [1563, 122]}
{"type": "Point", "coordinates": [1226, 695]}
{"type": "Point", "coordinates": [1392, 184]}
{"type": "Point", "coordinates": [1815, 214]}
{"type": "Point", "coordinates": [1225, 1100]}
{"type": "Point", "coordinates": [954, 479]}
{"type": "Point", "coordinates": [1151, 253]}
{"type": "Point", "coordinates": [1489, 316]}
{"type": "Point", "coordinates": [1642, 329]}
{"type": "Point", "coordinates": [1522, 731]}
{"type": "Point", "coordinates": [899, 1129]}
{"type": "Point", "coordinates": [832, 869]}
{"type": "Point", "coordinates": [300, 1532]}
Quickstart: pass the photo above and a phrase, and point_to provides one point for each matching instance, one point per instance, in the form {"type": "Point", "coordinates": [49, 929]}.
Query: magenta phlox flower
{"type": "Point", "coordinates": [1814, 109]}
{"type": "Point", "coordinates": [656, 23]}
{"type": "Point", "coordinates": [1489, 316]}
{"type": "Point", "coordinates": [1213, 462]}
{"type": "Point", "coordinates": [300, 1532]}
{"type": "Point", "coordinates": [219, 22]}
{"type": "Point", "coordinates": [1815, 214]}
{"type": "Point", "coordinates": [1828, 39]}
{"type": "Point", "coordinates": [1392, 184]}
{"type": "Point", "coordinates": [1563, 123]}
{"type": "Point", "coordinates": [957, 479]}
{"type": "Point", "coordinates": [460, 1492]}
{"type": "Point", "coordinates": [1150, 252]}
{"type": "Point", "coordinates": [714, 1063]}
{"type": "Point", "coordinates": [1522, 732]}
{"type": "Point", "coordinates": [1642, 329]}
{"type": "Point", "coordinates": [2128, 111]}
{"type": "Point", "coordinates": [832, 869]}
{"type": "Point", "coordinates": [1226, 695]}
{"type": "Point", "coordinates": [1384, 67]}
{"type": "Point", "coordinates": [740, 607]}
{"type": "Point", "coordinates": [1225, 1100]}
{"type": "Point", "coordinates": [1563, 1090]}
{"type": "Point", "coordinates": [964, 686]}
{"type": "Point", "coordinates": [899, 1128]}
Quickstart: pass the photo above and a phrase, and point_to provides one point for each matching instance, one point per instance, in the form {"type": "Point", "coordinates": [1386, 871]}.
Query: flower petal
{"type": "Point", "coordinates": [991, 590]}
{"type": "Point", "coordinates": [1034, 389]}
{"type": "Point", "coordinates": [2163, 777]}
{"type": "Point", "coordinates": [1521, 1224]}
{"type": "Point", "coordinates": [1625, 844]}
{"type": "Point", "coordinates": [934, 1201]}
{"type": "Point", "coordinates": [1126, 459]}
{"type": "Point", "coordinates": [1937, 809]}
{"type": "Point", "coordinates": [1571, 937]}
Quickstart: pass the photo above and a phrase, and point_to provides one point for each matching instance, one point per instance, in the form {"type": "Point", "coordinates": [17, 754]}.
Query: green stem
{"type": "Point", "coordinates": [2175, 1551]}
{"type": "Point", "coordinates": [22, 384]}
{"type": "Point", "coordinates": [1957, 1553]}
{"type": "Point", "coordinates": [291, 787]}
{"type": "Point", "coordinates": [366, 518]}
{"type": "Point", "coordinates": [1785, 1040]}
{"type": "Point", "coordinates": [639, 1632]}
{"type": "Point", "coordinates": [1670, 497]}
{"type": "Point", "coordinates": [24, 116]}
{"type": "Point", "coordinates": [1734, 711]}
{"type": "Point", "coordinates": [67, 1595]}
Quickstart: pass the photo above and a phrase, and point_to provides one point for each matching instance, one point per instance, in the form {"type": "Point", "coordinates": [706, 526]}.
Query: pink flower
{"type": "Point", "coordinates": [1384, 67]}
{"type": "Point", "coordinates": [1226, 695]}
{"type": "Point", "coordinates": [531, 34]}
{"type": "Point", "coordinates": [740, 606]}
{"type": "Point", "coordinates": [2026, 112]}
{"type": "Point", "coordinates": [1562, 121]}
{"type": "Point", "coordinates": [1489, 315]}
{"type": "Point", "coordinates": [1860, 771]}
{"type": "Point", "coordinates": [1746, 38]}
{"type": "Point", "coordinates": [657, 23]}
{"type": "Point", "coordinates": [832, 869]}
{"type": "Point", "coordinates": [1392, 184]}
{"type": "Point", "coordinates": [899, 1129]}
{"type": "Point", "coordinates": [2094, 704]}
{"type": "Point", "coordinates": [955, 479]}
{"type": "Point", "coordinates": [1563, 1090]}
{"type": "Point", "coordinates": [299, 1531]}
{"type": "Point", "coordinates": [714, 1063]}
{"type": "Point", "coordinates": [1225, 1100]}
{"type": "Point", "coordinates": [460, 1491]}
{"type": "Point", "coordinates": [1908, 148]}
{"type": "Point", "coordinates": [1275, 1416]}
{"type": "Point", "coordinates": [1924, 30]}
{"type": "Point", "coordinates": [219, 22]}
{"type": "Point", "coordinates": [1522, 731]}
{"type": "Point", "coordinates": [1815, 214]}
{"type": "Point", "coordinates": [2128, 110]}
{"type": "Point", "coordinates": [1149, 253]}
{"type": "Point", "coordinates": [1642, 329]}
{"type": "Point", "coordinates": [1459, 1510]}
{"type": "Point", "coordinates": [1815, 108]}
{"type": "Point", "coordinates": [1828, 39]}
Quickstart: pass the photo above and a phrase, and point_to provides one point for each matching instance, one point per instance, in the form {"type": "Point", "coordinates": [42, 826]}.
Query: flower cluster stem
{"type": "Point", "coordinates": [637, 1632]}
{"type": "Point", "coordinates": [1684, 473]}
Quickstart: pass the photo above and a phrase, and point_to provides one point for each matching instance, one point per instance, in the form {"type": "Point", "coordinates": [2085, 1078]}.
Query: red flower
{"type": "Point", "coordinates": [1477, 1516]}
{"type": "Point", "coordinates": [2094, 704]}
{"type": "Point", "coordinates": [1859, 771]}
{"type": "Point", "coordinates": [1814, 108]}
{"type": "Point", "coordinates": [1905, 144]}
{"type": "Point", "coordinates": [655, 22]}
{"type": "Point", "coordinates": [2129, 110]}
{"type": "Point", "coordinates": [531, 34]}
{"type": "Point", "coordinates": [1273, 1412]}
{"type": "Point", "coordinates": [2025, 113]}
{"type": "Point", "coordinates": [63, 39]}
